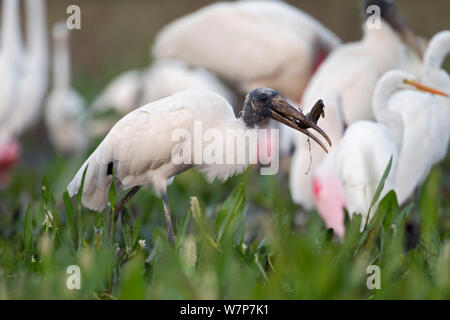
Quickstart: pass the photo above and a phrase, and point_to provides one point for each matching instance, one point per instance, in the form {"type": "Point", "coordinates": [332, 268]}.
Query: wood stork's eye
{"type": "Point", "coordinates": [263, 97]}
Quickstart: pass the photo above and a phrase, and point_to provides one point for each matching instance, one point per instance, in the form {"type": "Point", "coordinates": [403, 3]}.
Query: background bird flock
{"type": "Point", "coordinates": [380, 196]}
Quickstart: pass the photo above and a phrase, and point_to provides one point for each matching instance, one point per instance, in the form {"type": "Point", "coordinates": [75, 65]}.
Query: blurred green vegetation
{"type": "Point", "coordinates": [242, 244]}
{"type": "Point", "coordinates": [235, 240]}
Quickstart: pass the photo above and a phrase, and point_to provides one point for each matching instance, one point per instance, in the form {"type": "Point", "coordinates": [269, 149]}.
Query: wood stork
{"type": "Point", "coordinates": [351, 70]}
{"type": "Point", "coordinates": [139, 148]}
{"type": "Point", "coordinates": [162, 79]}
{"type": "Point", "coordinates": [366, 147]}
{"type": "Point", "coordinates": [34, 75]}
{"type": "Point", "coordinates": [250, 43]}
{"type": "Point", "coordinates": [122, 94]}
{"type": "Point", "coordinates": [64, 113]}
{"type": "Point", "coordinates": [354, 68]}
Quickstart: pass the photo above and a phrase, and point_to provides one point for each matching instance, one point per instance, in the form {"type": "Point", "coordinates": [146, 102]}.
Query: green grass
{"type": "Point", "coordinates": [236, 240]}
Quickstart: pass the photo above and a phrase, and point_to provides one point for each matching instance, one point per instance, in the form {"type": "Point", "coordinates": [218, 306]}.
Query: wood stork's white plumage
{"type": "Point", "coordinates": [122, 94]}
{"type": "Point", "coordinates": [166, 77]}
{"type": "Point", "coordinates": [351, 70]}
{"type": "Point", "coordinates": [65, 108]}
{"type": "Point", "coordinates": [140, 146]}
{"type": "Point", "coordinates": [250, 43]}
{"type": "Point", "coordinates": [162, 79]}
{"type": "Point", "coordinates": [34, 74]}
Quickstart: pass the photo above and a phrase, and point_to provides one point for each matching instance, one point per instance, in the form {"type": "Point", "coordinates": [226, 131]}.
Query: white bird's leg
{"type": "Point", "coordinates": [118, 207]}
{"type": "Point", "coordinates": [170, 232]}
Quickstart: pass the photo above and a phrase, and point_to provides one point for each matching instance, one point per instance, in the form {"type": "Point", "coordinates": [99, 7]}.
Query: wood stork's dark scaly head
{"type": "Point", "coordinates": [390, 13]}
{"type": "Point", "coordinates": [263, 103]}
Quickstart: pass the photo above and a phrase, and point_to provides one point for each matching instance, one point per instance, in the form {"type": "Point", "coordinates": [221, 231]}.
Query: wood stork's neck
{"type": "Point", "coordinates": [61, 62]}
{"type": "Point", "coordinates": [437, 50]}
{"type": "Point", "coordinates": [36, 29]}
{"type": "Point", "coordinates": [393, 121]}
{"type": "Point", "coordinates": [11, 37]}
{"type": "Point", "coordinates": [383, 45]}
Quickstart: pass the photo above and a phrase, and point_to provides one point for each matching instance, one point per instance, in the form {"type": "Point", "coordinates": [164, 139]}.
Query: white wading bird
{"type": "Point", "coordinates": [432, 75]}
{"type": "Point", "coordinates": [140, 146]}
{"type": "Point", "coordinates": [11, 59]}
{"type": "Point", "coordinates": [65, 107]}
{"type": "Point", "coordinates": [425, 120]}
{"type": "Point", "coordinates": [162, 79]}
{"type": "Point", "coordinates": [34, 78]}
{"type": "Point", "coordinates": [122, 94]}
{"type": "Point", "coordinates": [351, 70]}
{"type": "Point", "coordinates": [362, 155]}
{"type": "Point", "coordinates": [251, 44]}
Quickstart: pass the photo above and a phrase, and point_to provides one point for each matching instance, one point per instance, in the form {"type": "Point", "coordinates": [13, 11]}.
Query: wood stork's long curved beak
{"type": "Point", "coordinates": [286, 113]}
{"type": "Point", "coordinates": [422, 87]}
{"type": "Point", "coordinates": [413, 41]}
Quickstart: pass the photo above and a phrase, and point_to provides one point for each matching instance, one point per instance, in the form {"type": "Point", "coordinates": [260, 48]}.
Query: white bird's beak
{"type": "Point", "coordinates": [422, 87]}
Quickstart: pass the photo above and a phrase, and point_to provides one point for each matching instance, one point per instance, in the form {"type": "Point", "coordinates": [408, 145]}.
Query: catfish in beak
{"type": "Point", "coordinates": [286, 113]}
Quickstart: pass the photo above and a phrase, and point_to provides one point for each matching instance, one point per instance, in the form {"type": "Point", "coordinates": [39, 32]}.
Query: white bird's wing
{"type": "Point", "coordinates": [140, 145]}
{"type": "Point", "coordinates": [167, 77]}
{"type": "Point", "coordinates": [245, 47]}
{"type": "Point", "coordinates": [361, 159]}
{"type": "Point", "coordinates": [421, 133]}
{"type": "Point", "coordinates": [120, 94]}
{"type": "Point", "coordinates": [350, 73]}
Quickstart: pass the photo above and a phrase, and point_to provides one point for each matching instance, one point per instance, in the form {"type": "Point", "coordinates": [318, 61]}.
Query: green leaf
{"type": "Point", "coordinates": [380, 187]}
{"type": "Point", "coordinates": [385, 208]}
{"type": "Point", "coordinates": [136, 230]}
{"type": "Point", "coordinates": [69, 209]}
{"type": "Point", "coordinates": [230, 212]}
{"type": "Point", "coordinates": [80, 189]}
{"type": "Point", "coordinates": [127, 229]}
{"type": "Point", "coordinates": [45, 191]}
{"type": "Point", "coordinates": [112, 194]}
{"type": "Point", "coordinates": [79, 218]}
{"type": "Point", "coordinates": [69, 215]}
{"type": "Point", "coordinates": [199, 217]}
{"type": "Point", "coordinates": [429, 205]}
{"type": "Point", "coordinates": [28, 231]}
{"type": "Point", "coordinates": [181, 230]}
{"type": "Point", "coordinates": [404, 213]}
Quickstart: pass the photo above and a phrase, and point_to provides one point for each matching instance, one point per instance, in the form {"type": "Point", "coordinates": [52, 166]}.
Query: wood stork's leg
{"type": "Point", "coordinates": [118, 207]}
{"type": "Point", "coordinates": [124, 200]}
{"type": "Point", "coordinates": [170, 233]}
